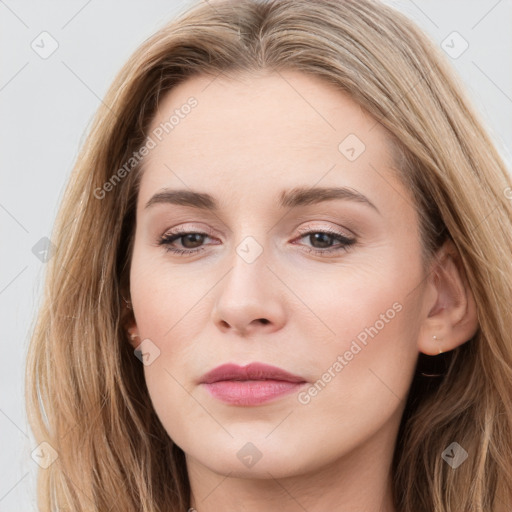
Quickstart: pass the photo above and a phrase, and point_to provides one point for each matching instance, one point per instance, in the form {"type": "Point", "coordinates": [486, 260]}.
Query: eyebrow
{"type": "Point", "coordinates": [299, 196]}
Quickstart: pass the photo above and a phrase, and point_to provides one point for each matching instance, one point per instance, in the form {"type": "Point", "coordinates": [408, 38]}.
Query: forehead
{"type": "Point", "coordinates": [284, 109]}
{"type": "Point", "coordinates": [261, 133]}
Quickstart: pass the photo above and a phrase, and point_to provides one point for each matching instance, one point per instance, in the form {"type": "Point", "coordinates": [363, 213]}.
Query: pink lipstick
{"type": "Point", "coordinates": [253, 384]}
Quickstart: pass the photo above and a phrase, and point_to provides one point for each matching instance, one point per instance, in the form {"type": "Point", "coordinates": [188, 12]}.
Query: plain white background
{"type": "Point", "coordinates": [47, 104]}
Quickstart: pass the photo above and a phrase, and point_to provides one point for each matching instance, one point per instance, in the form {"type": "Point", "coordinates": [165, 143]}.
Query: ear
{"type": "Point", "coordinates": [451, 309]}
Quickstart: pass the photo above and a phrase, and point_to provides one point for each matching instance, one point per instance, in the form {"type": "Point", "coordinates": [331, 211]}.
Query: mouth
{"type": "Point", "coordinates": [254, 384]}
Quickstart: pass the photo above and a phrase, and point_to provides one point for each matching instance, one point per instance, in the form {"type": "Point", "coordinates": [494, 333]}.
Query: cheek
{"type": "Point", "coordinates": [166, 305]}
{"type": "Point", "coordinates": [363, 378]}
{"type": "Point", "coordinates": [163, 305]}
{"type": "Point", "coordinates": [370, 356]}
{"type": "Point", "coordinates": [161, 294]}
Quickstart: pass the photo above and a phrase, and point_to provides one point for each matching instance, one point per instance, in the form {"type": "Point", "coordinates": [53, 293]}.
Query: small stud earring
{"type": "Point", "coordinates": [133, 335]}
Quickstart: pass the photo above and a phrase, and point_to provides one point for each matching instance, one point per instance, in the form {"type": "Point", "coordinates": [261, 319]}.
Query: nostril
{"type": "Point", "coordinates": [264, 321]}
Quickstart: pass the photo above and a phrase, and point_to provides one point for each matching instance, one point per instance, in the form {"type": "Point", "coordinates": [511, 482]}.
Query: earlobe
{"type": "Point", "coordinates": [129, 323]}
{"type": "Point", "coordinates": [134, 336]}
{"type": "Point", "coordinates": [131, 330]}
{"type": "Point", "coordinates": [451, 317]}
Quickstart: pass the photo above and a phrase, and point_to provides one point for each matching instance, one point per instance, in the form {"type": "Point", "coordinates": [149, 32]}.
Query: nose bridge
{"type": "Point", "coordinates": [247, 277]}
{"type": "Point", "coordinates": [248, 293]}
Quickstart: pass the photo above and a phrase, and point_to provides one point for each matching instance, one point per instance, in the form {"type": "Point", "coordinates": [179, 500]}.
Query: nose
{"type": "Point", "coordinates": [250, 299]}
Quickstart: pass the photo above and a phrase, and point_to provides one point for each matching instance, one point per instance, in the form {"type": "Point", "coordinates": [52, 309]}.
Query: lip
{"type": "Point", "coordinates": [253, 384]}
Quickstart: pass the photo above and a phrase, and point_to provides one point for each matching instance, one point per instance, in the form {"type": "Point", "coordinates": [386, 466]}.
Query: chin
{"type": "Point", "coordinates": [249, 453]}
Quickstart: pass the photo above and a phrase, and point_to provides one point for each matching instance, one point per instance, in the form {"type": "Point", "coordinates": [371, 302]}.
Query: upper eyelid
{"type": "Point", "coordinates": [345, 232]}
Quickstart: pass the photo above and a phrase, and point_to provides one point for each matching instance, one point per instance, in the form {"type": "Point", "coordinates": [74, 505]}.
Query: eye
{"type": "Point", "coordinates": [190, 240]}
{"type": "Point", "coordinates": [322, 241]}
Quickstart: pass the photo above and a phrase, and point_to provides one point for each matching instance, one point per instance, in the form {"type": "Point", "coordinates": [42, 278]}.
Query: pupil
{"type": "Point", "coordinates": [319, 236]}
{"type": "Point", "coordinates": [191, 237]}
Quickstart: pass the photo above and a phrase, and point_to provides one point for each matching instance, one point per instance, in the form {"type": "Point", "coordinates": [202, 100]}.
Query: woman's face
{"type": "Point", "coordinates": [326, 285]}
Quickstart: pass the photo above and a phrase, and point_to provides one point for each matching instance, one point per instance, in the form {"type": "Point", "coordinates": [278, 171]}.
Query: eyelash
{"type": "Point", "coordinates": [167, 239]}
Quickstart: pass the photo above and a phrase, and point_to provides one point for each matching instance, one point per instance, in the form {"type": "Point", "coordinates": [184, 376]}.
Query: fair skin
{"type": "Point", "coordinates": [248, 139]}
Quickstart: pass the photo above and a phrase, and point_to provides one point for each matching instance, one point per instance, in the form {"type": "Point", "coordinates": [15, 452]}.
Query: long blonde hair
{"type": "Point", "coordinates": [86, 394]}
